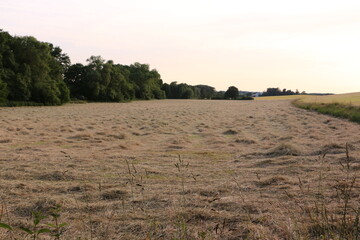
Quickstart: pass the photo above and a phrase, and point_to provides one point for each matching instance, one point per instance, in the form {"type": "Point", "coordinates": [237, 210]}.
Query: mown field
{"type": "Point", "coordinates": [180, 169]}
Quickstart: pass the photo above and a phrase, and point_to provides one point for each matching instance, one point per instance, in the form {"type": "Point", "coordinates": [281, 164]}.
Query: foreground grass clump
{"type": "Point", "coordinates": [335, 109]}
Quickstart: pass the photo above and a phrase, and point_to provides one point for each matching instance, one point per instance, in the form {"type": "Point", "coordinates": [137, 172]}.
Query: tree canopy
{"type": "Point", "coordinates": [278, 92]}
{"type": "Point", "coordinates": [232, 93]}
{"type": "Point", "coordinates": [32, 71]}
{"type": "Point", "coordinates": [102, 80]}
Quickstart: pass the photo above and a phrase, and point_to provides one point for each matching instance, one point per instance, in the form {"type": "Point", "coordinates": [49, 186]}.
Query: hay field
{"type": "Point", "coordinates": [247, 169]}
{"type": "Point", "coordinates": [346, 98]}
{"type": "Point", "coordinates": [285, 97]}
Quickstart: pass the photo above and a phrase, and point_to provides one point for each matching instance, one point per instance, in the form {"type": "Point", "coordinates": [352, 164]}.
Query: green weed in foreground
{"type": "Point", "coordinates": [38, 227]}
{"type": "Point", "coordinates": [335, 109]}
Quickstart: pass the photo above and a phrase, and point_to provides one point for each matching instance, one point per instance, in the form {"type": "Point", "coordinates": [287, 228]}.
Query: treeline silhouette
{"type": "Point", "coordinates": [38, 73]}
{"type": "Point", "coordinates": [185, 91]}
{"type": "Point", "coordinates": [278, 92]}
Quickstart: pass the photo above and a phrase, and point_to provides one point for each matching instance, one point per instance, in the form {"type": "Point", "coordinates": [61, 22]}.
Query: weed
{"type": "Point", "coordinates": [181, 229]}
{"type": "Point", "coordinates": [55, 229]}
{"type": "Point", "coordinates": [181, 166]}
{"type": "Point", "coordinates": [36, 228]}
{"type": "Point", "coordinates": [135, 180]}
{"type": "Point", "coordinates": [326, 222]}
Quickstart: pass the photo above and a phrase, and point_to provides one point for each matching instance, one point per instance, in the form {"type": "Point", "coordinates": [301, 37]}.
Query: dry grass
{"type": "Point", "coordinates": [341, 105]}
{"type": "Point", "coordinates": [285, 97]}
{"type": "Point", "coordinates": [248, 169]}
{"type": "Point", "coordinates": [347, 99]}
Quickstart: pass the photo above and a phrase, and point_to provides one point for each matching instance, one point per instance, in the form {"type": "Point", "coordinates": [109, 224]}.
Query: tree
{"type": "Point", "coordinates": [278, 92]}
{"type": "Point", "coordinates": [232, 93]}
{"type": "Point", "coordinates": [178, 91]}
{"type": "Point", "coordinates": [61, 58]}
{"type": "Point", "coordinates": [100, 81]}
{"type": "Point", "coordinates": [3, 91]}
{"type": "Point", "coordinates": [147, 82]}
{"type": "Point", "coordinates": [32, 70]}
{"type": "Point", "coordinates": [205, 92]}
{"type": "Point", "coordinates": [75, 80]}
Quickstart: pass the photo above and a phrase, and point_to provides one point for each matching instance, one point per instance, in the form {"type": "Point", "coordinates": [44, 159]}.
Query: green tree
{"type": "Point", "coordinates": [147, 82]}
{"type": "Point", "coordinates": [3, 91]}
{"type": "Point", "coordinates": [75, 79]}
{"type": "Point", "coordinates": [178, 91]}
{"type": "Point", "coordinates": [231, 93]}
{"type": "Point", "coordinates": [100, 81]}
{"type": "Point", "coordinates": [32, 70]}
{"type": "Point", "coordinates": [205, 91]}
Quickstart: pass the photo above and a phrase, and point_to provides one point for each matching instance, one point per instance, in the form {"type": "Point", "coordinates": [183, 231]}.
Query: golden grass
{"type": "Point", "coordinates": [347, 99]}
{"type": "Point", "coordinates": [340, 105]}
{"type": "Point", "coordinates": [286, 97]}
{"type": "Point", "coordinates": [253, 170]}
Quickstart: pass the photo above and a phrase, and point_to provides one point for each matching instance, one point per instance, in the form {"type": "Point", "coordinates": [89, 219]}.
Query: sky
{"type": "Point", "coordinates": [310, 45]}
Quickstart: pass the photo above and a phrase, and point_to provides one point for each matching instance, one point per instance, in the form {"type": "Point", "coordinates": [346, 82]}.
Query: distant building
{"type": "Point", "coordinates": [256, 94]}
{"type": "Point", "coordinates": [250, 94]}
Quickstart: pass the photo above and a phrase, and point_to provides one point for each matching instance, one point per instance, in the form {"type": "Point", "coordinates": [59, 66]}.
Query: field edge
{"type": "Point", "coordinates": [335, 109]}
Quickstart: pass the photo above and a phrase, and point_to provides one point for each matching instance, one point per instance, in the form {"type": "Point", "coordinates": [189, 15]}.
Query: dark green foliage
{"type": "Point", "coordinates": [147, 82]}
{"type": "Point", "coordinates": [205, 92]}
{"type": "Point", "coordinates": [75, 80]}
{"type": "Point", "coordinates": [185, 91]}
{"type": "Point", "coordinates": [231, 93]}
{"type": "Point", "coordinates": [178, 91]}
{"type": "Point", "coordinates": [278, 92]}
{"type": "Point", "coordinates": [246, 98]}
{"type": "Point", "coordinates": [3, 91]}
{"type": "Point", "coordinates": [219, 95]}
{"type": "Point", "coordinates": [109, 82]}
{"type": "Point", "coordinates": [101, 81]}
{"type": "Point", "coordinates": [32, 70]}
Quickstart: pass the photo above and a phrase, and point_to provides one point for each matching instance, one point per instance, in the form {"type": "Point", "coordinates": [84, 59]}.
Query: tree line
{"type": "Point", "coordinates": [32, 71]}
{"type": "Point", "coordinates": [38, 72]}
{"type": "Point", "coordinates": [278, 92]}
{"type": "Point", "coordinates": [35, 72]}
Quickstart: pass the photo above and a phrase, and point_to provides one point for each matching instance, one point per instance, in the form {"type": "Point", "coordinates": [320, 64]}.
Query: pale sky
{"type": "Point", "coordinates": [311, 45]}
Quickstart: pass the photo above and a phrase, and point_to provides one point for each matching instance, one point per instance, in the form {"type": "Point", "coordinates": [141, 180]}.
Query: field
{"type": "Point", "coordinates": [339, 105]}
{"type": "Point", "coordinates": [346, 99]}
{"type": "Point", "coordinates": [181, 169]}
{"type": "Point", "coordinates": [285, 97]}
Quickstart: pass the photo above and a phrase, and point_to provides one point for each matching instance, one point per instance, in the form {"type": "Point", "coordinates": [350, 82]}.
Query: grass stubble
{"type": "Point", "coordinates": [178, 170]}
